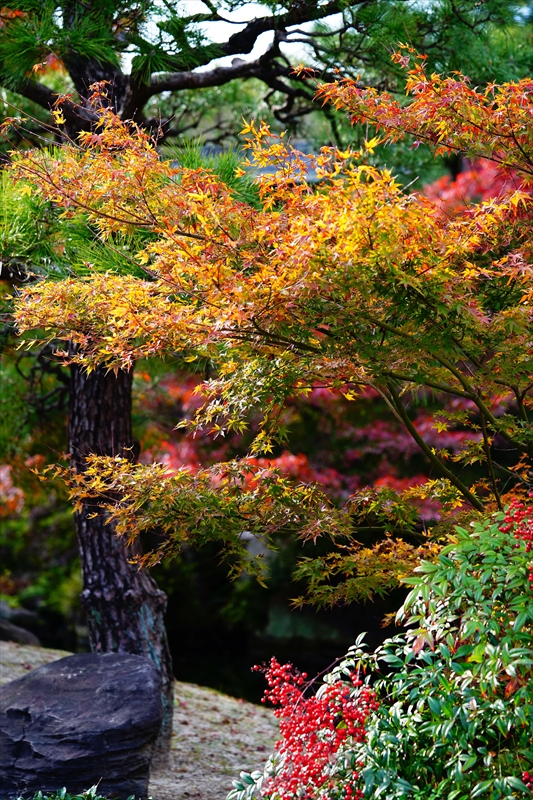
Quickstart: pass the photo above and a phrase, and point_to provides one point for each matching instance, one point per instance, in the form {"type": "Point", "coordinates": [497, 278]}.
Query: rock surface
{"type": "Point", "coordinates": [77, 721]}
{"type": "Point", "coordinates": [13, 633]}
{"type": "Point", "coordinates": [19, 616]}
{"type": "Point", "coordinates": [215, 736]}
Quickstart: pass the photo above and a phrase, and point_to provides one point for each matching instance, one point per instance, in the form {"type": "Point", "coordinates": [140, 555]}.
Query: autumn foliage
{"type": "Point", "coordinates": [349, 287]}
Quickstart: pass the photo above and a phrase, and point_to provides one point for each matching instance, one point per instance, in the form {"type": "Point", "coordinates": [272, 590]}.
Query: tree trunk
{"type": "Point", "coordinates": [123, 604]}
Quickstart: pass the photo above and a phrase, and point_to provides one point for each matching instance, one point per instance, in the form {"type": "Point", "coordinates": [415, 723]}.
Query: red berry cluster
{"type": "Point", "coordinates": [527, 778]}
{"type": "Point", "coordinates": [313, 729]}
{"type": "Point", "coordinates": [519, 517]}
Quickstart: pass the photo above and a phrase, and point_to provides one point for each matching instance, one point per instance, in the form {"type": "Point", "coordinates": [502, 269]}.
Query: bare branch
{"type": "Point", "coordinates": [238, 44]}
{"type": "Point", "coordinates": [217, 76]}
{"type": "Point", "coordinates": [244, 41]}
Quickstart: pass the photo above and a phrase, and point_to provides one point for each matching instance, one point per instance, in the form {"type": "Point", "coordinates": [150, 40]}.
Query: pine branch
{"type": "Point", "coordinates": [46, 98]}
{"type": "Point", "coordinates": [198, 80]}
{"type": "Point", "coordinates": [310, 11]}
{"type": "Point", "coordinates": [238, 44]}
{"type": "Point", "coordinates": [38, 93]}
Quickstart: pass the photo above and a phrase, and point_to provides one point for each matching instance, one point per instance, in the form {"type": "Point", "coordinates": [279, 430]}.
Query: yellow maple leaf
{"type": "Point", "coordinates": [371, 144]}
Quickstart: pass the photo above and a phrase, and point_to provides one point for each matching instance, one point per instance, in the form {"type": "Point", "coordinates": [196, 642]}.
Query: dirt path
{"type": "Point", "coordinates": [215, 736]}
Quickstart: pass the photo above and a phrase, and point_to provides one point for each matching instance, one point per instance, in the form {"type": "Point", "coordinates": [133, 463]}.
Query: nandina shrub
{"type": "Point", "coordinates": [314, 755]}
{"type": "Point", "coordinates": [519, 520]}
{"type": "Point", "coordinates": [457, 719]}
{"type": "Point", "coordinates": [315, 731]}
{"type": "Point", "coordinates": [453, 710]}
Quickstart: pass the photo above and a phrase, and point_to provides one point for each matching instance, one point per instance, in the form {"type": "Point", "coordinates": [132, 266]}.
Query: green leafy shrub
{"type": "Point", "coordinates": [455, 718]}
{"type": "Point", "coordinates": [62, 794]}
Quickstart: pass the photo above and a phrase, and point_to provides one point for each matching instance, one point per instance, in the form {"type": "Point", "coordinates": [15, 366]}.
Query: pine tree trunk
{"type": "Point", "coordinates": [124, 606]}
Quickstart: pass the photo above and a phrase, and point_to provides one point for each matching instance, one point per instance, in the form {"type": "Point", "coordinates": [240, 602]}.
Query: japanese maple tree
{"type": "Point", "coordinates": [353, 285]}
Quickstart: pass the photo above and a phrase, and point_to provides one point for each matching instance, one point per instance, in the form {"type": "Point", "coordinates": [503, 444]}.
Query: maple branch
{"type": "Point", "coordinates": [429, 305]}
{"type": "Point", "coordinates": [479, 152]}
{"type": "Point", "coordinates": [521, 395]}
{"type": "Point", "coordinates": [510, 472]}
{"type": "Point", "coordinates": [441, 387]}
{"type": "Point", "coordinates": [457, 482]}
{"type": "Point", "coordinates": [469, 392]}
{"type": "Point", "coordinates": [385, 326]}
{"type": "Point", "coordinates": [516, 142]}
{"type": "Point", "coordinates": [47, 177]}
{"type": "Point", "coordinates": [486, 446]}
{"type": "Point", "coordinates": [520, 403]}
{"type": "Point", "coordinates": [383, 394]}
{"type": "Point", "coordinates": [44, 174]}
{"type": "Point", "coordinates": [270, 338]}
{"type": "Point", "coordinates": [476, 398]}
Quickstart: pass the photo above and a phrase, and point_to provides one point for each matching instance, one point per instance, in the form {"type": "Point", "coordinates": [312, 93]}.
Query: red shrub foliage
{"type": "Point", "coordinates": [313, 730]}
{"type": "Point", "coordinates": [519, 517]}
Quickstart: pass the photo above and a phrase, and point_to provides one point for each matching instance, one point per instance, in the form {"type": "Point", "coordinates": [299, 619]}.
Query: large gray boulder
{"type": "Point", "coordinates": [78, 721]}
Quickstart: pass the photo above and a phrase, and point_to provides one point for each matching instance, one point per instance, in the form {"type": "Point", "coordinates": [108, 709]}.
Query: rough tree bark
{"type": "Point", "coordinates": [124, 606]}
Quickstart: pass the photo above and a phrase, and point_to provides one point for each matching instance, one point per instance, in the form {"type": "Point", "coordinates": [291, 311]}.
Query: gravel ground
{"type": "Point", "coordinates": [215, 736]}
